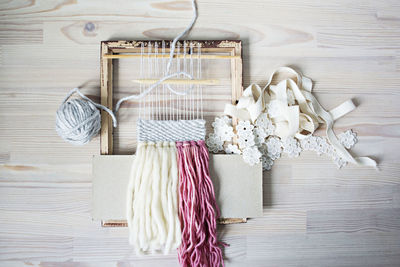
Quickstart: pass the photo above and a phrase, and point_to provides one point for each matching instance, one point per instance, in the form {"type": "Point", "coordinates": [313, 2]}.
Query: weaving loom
{"type": "Point", "coordinates": [170, 134]}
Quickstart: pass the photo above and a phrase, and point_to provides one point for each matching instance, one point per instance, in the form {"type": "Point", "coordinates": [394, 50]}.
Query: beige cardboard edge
{"type": "Point", "coordinates": [238, 186]}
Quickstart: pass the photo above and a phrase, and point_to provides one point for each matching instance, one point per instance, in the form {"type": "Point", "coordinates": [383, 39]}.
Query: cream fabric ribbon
{"type": "Point", "coordinates": [300, 120]}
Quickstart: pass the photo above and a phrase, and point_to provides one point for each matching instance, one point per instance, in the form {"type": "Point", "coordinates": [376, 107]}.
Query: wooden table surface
{"type": "Point", "coordinates": [314, 214]}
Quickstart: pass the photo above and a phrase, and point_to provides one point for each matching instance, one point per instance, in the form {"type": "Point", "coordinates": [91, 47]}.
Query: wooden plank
{"type": "Point", "coordinates": [237, 80]}
{"type": "Point", "coordinates": [237, 84]}
{"type": "Point", "coordinates": [321, 197]}
{"type": "Point", "coordinates": [350, 48]}
{"type": "Point", "coordinates": [317, 249]}
{"type": "Point", "coordinates": [105, 249]}
{"type": "Point", "coordinates": [274, 221]}
{"type": "Point", "coordinates": [354, 221]}
{"type": "Point", "coordinates": [21, 33]}
{"type": "Point", "coordinates": [106, 96]}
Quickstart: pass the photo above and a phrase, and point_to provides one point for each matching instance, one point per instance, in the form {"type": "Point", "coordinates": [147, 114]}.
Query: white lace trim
{"type": "Point", "coordinates": [267, 148]}
{"type": "Point", "coordinates": [282, 118]}
{"type": "Point", "coordinates": [289, 105]}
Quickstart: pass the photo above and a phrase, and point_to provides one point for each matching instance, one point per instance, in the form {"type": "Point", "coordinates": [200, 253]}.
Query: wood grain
{"type": "Point", "coordinates": [314, 214]}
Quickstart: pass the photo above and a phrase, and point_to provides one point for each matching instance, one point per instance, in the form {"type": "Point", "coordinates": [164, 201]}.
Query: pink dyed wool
{"type": "Point", "coordinates": [198, 209]}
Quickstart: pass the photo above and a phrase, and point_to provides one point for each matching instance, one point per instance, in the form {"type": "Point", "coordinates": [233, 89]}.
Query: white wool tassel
{"type": "Point", "coordinates": [133, 188]}
{"type": "Point", "coordinates": [174, 195]}
{"type": "Point", "coordinates": [152, 205]}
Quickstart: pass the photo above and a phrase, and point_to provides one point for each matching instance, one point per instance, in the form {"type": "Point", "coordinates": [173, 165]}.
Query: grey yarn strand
{"type": "Point", "coordinates": [79, 120]}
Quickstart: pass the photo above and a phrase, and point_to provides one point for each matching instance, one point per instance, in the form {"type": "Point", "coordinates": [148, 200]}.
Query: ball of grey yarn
{"type": "Point", "coordinates": [78, 121]}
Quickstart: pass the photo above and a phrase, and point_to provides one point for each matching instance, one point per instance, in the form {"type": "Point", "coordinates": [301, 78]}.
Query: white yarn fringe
{"type": "Point", "coordinates": [152, 204]}
{"type": "Point", "coordinates": [173, 131]}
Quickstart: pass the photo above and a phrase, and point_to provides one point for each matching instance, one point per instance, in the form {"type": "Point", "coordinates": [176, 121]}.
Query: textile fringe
{"type": "Point", "coordinates": [152, 205]}
{"type": "Point", "coordinates": [197, 207]}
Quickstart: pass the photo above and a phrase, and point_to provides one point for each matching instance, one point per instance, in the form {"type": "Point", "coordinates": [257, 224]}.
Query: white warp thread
{"type": "Point", "coordinates": [79, 120]}
{"type": "Point", "coordinates": [173, 131]}
{"type": "Point", "coordinates": [152, 203]}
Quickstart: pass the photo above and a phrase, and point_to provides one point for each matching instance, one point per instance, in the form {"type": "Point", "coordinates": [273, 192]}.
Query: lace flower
{"type": "Point", "coordinates": [291, 147]}
{"type": "Point", "coordinates": [264, 123]}
{"type": "Point", "coordinates": [266, 163]}
{"type": "Point", "coordinates": [232, 149]}
{"type": "Point", "coordinates": [246, 140]}
{"type": "Point", "coordinates": [309, 143]}
{"type": "Point", "coordinates": [273, 109]}
{"type": "Point", "coordinates": [244, 128]}
{"type": "Point", "coordinates": [224, 132]}
{"type": "Point", "coordinates": [221, 121]}
{"type": "Point", "coordinates": [259, 135]}
{"type": "Point", "coordinates": [214, 143]}
{"type": "Point", "coordinates": [323, 147]}
{"type": "Point", "coordinates": [274, 148]}
{"type": "Point", "coordinates": [348, 139]}
{"type": "Point", "coordinates": [251, 155]}
{"type": "Point", "coordinates": [339, 161]}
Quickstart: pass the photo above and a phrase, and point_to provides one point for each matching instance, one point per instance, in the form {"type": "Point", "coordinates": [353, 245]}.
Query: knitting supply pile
{"type": "Point", "coordinates": [282, 118]}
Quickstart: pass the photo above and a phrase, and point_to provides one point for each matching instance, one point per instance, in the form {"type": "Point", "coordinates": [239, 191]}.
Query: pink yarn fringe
{"type": "Point", "coordinates": [198, 209]}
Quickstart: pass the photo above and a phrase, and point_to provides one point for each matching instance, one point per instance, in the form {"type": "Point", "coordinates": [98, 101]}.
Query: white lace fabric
{"type": "Point", "coordinates": [269, 147]}
{"type": "Point", "coordinates": [281, 119]}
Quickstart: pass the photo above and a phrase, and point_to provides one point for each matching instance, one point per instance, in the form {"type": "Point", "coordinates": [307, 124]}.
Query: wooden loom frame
{"type": "Point", "coordinates": [120, 49]}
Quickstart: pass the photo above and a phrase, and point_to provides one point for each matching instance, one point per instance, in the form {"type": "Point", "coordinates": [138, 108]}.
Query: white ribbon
{"type": "Point", "coordinates": [249, 106]}
{"type": "Point", "coordinates": [300, 120]}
